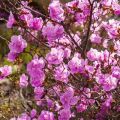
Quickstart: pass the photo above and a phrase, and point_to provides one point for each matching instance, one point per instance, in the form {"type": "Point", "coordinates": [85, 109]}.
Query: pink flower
{"type": "Point", "coordinates": [108, 101]}
{"type": "Point", "coordinates": [93, 54]}
{"type": "Point", "coordinates": [34, 68]}
{"type": "Point", "coordinates": [50, 103]}
{"type": "Point", "coordinates": [76, 65]}
{"type": "Point", "coordinates": [24, 3]}
{"type": "Point", "coordinates": [107, 81]}
{"type": "Point", "coordinates": [12, 56]}
{"type": "Point", "coordinates": [52, 32]}
{"type": "Point", "coordinates": [117, 12]}
{"type": "Point", "coordinates": [46, 115]}
{"type": "Point", "coordinates": [39, 92]}
{"type": "Point", "coordinates": [90, 69]}
{"type": "Point", "coordinates": [116, 72]}
{"type": "Point", "coordinates": [25, 15]}
{"type": "Point", "coordinates": [56, 11]}
{"type": "Point", "coordinates": [33, 113]}
{"type": "Point", "coordinates": [62, 73]}
{"type": "Point", "coordinates": [116, 8]}
{"type": "Point", "coordinates": [110, 83]}
{"type": "Point", "coordinates": [104, 56]}
{"type": "Point", "coordinates": [5, 71]}
{"type": "Point", "coordinates": [105, 107]}
{"type": "Point", "coordinates": [80, 18]}
{"type": "Point", "coordinates": [112, 27]}
{"type": "Point", "coordinates": [106, 2]}
{"type": "Point", "coordinates": [24, 116]}
{"type": "Point", "coordinates": [17, 44]}
{"type": "Point", "coordinates": [72, 4]}
{"type": "Point", "coordinates": [55, 56]}
{"type": "Point", "coordinates": [105, 43]}
{"type": "Point", "coordinates": [35, 23]}
{"type": "Point", "coordinates": [64, 114]}
{"type": "Point", "coordinates": [67, 52]}
{"type": "Point", "coordinates": [117, 45]}
{"type": "Point", "coordinates": [95, 38]}
{"type": "Point", "coordinates": [23, 81]}
{"type": "Point", "coordinates": [11, 20]}
{"type": "Point", "coordinates": [81, 107]}
{"type": "Point", "coordinates": [67, 99]}
{"type": "Point", "coordinates": [63, 40]}
{"type": "Point", "coordinates": [37, 80]}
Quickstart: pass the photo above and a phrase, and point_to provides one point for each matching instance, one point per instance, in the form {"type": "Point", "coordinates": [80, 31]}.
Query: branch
{"type": "Point", "coordinates": [72, 39]}
{"type": "Point", "coordinates": [66, 30]}
{"type": "Point", "coordinates": [1, 37]}
{"type": "Point", "coordinates": [86, 42]}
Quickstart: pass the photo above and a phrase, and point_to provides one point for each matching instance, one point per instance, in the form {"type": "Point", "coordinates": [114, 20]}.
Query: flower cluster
{"type": "Point", "coordinates": [16, 46]}
{"type": "Point", "coordinates": [35, 70]}
{"type": "Point", "coordinates": [75, 65]}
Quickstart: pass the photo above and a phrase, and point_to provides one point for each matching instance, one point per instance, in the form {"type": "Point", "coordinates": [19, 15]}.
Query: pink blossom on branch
{"type": "Point", "coordinates": [11, 20]}
{"type": "Point", "coordinates": [23, 81]}
{"type": "Point", "coordinates": [62, 73]}
{"type": "Point", "coordinates": [35, 23]}
{"type": "Point", "coordinates": [5, 71]}
{"type": "Point", "coordinates": [52, 32]}
{"type": "Point", "coordinates": [56, 11]}
{"type": "Point", "coordinates": [46, 115]}
{"type": "Point", "coordinates": [17, 44]}
{"type": "Point", "coordinates": [55, 56]}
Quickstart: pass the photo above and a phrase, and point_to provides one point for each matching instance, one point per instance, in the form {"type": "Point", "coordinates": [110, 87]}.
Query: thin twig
{"type": "Point", "coordinates": [66, 30]}
{"type": "Point", "coordinates": [7, 41]}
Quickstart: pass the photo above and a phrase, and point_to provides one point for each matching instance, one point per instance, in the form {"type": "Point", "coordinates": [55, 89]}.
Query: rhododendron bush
{"type": "Point", "coordinates": [69, 59]}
